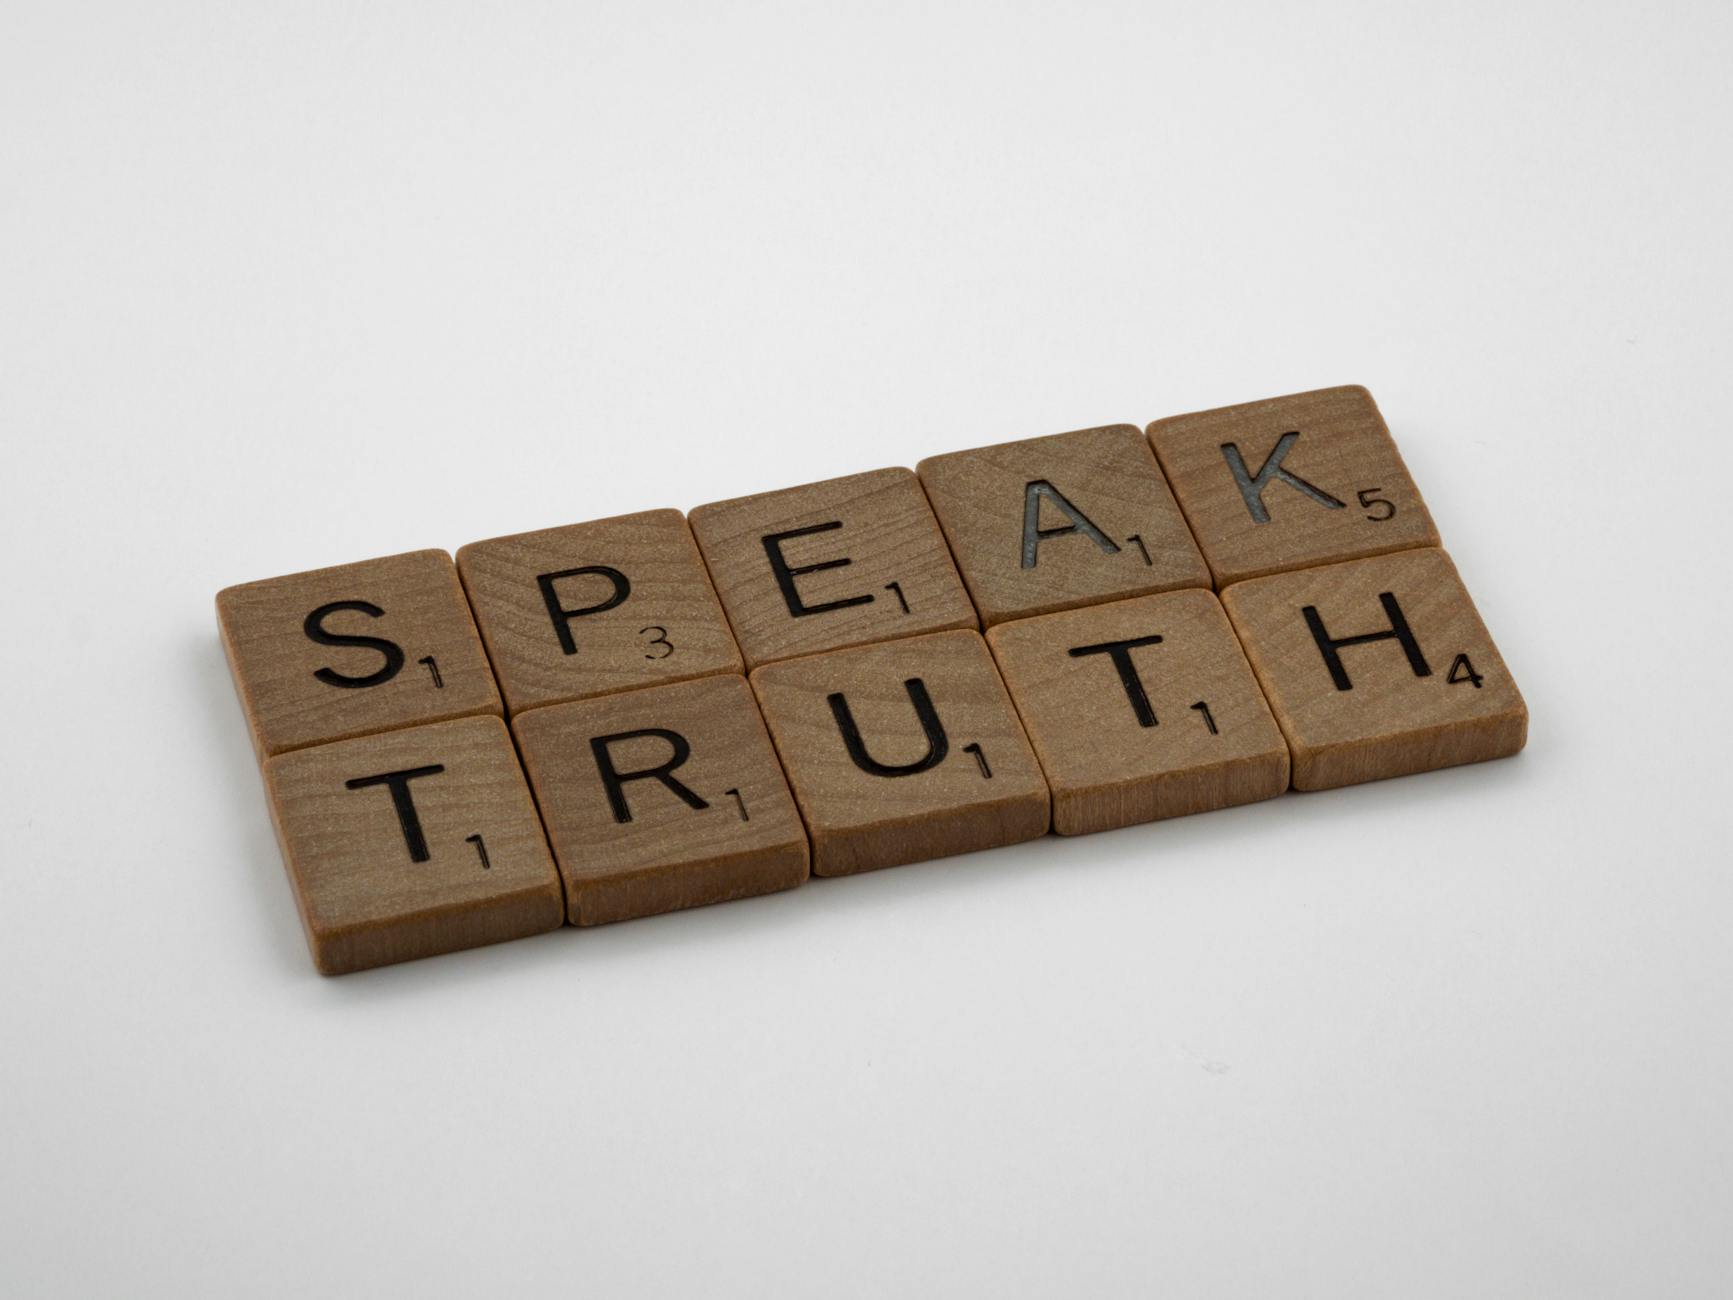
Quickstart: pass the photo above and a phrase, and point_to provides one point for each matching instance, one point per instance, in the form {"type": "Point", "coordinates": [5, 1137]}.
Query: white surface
{"type": "Point", "coordinates": [285, 286]}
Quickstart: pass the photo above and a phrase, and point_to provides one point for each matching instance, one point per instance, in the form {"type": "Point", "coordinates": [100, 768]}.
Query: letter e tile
{"type": "Point", "coordinates": [844, 562]}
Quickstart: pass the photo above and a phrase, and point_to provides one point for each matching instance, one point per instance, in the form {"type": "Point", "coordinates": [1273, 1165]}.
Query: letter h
{"type": "Point", "coordinates": [1332, 649]}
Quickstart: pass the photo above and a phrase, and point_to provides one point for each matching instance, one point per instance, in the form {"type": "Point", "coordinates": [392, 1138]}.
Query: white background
{"type": "Point", "coordinates": [287, 286]}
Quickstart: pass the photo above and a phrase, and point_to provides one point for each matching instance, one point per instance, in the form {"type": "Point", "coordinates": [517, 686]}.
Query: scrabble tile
{"type": "Point", "coordinates": [1052, 523]}
{"type": "Point", "coordinates": [1291, 483]}
{"type": "Point", "coordinates": [845, 562]}
{"type": "Point", "coordinates": [592, 608]}
{"type": "Point", "coordinates": [412, 843]}
{"type": "Point", "coordinates": [1376, 668]}
{"type": "Point", "coordinates": [902, 751]}
{"type": "Point", "coordinates": [1141, 709]}
{"type": "Point", "coordinates": [352, 650]}
{"type": "Point", "coordinates": [662, 798]}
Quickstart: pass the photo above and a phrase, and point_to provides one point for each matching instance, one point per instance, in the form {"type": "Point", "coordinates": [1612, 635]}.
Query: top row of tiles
{"type": "Point", "coordinates": [1033, 526]}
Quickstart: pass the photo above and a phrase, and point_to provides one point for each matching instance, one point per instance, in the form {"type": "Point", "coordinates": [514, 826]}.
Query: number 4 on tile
{"type": "Point", "coordinates": [1462, 670]}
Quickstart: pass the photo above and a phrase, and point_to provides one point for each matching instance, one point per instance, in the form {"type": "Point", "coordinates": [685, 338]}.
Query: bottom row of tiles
{"type": "Point", "coordinates": [426, 840]}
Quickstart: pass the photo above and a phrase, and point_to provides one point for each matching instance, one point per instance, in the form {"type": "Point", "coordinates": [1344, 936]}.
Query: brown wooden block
{"type": "Point", "coordinates": [844, 562]}
{"type": "Point", "coordinates": [412, 843]}
{"type": "Point", "coordinates": [1377, 668]}
{"type": "Point", "coordinates": [1291, 483]}
{"type": "Point", "coordinates": [662, 798]}
{"type": "Point", "coordinates": [592, 608]}
{"type": "Point", "coordinates": [355, 649]}
{"type": "Point", "coordinates": [903, 751]}
{"type": "Point", "coordinates": [1053, 523]}
{"type": "Point", "coordinates": [1141, 709]}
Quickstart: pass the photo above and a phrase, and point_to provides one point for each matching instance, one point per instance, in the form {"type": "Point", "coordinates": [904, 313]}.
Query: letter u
{"type": "Point", "coordinates": [938, 745]}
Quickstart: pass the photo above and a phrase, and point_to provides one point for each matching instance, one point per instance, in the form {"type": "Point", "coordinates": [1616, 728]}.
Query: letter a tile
{"type": "Point", "coordinates": [1141, 709]}
{"type": "Point", "coordinates": [412, 843]}
{"type": "Point", "coordinates": [662, 798]}
{"type": "Point", "coordinates": [844, 562]}
{"type": "Point", "coordinates": [1291, 483]}
{"type": "Point", "coordinates": [1376, 668]}
{"type": "Point", "coordinates": [1052, 523]}
{"type": "Point", "coordinates": [903, 751]}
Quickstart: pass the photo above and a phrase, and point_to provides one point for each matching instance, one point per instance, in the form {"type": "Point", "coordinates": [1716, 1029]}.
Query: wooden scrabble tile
{"type": "Point", "coordinates": [1052, 523]}
{"type": "Point", "coordinates": [1141, 709]}
{"type": "Point", "coordinates": [412, 843]}
{"type": "Point", "coordinates": [662, 798]}
{"type": "Point", "coordinates": [844, 562]}
{"type": "Point", "coordinates": [591, 608]}
{"type": "Point", "coordinates": [1376, 668]}
{"type": "Point", "coordinates": [1291, 483]}
{"type": "Point", "coordinates": [355, 649]}
{"type": "Point", "coordinates": [902, 751]}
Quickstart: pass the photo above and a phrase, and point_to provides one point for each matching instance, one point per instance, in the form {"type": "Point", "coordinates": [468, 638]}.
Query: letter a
{"type": "Point", "coordinates": [1039, 490]}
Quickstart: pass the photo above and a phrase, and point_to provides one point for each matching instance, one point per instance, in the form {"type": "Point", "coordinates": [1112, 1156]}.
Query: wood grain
{"type": "Point", "coordinates": [960, 779]}
{"type": "Point", "coordinates": [1057, 522]}
{"type": "Point", "coordinates": [352, 650]}
{"type": "Point", "coordinates": [870, 546]}
{"type": "Point", "coordinates": [1187, 733]}
{"type": "Point", "coordinates": [464, 864]}
{"type": "Point", "coordinates": [1383, 707]}
{"type": "Point", "coordinates": [1333, 484]}
{"type": "Point", "coordinates": [635, 608]}
{"type": "Point", "coordinates": [637, 846]}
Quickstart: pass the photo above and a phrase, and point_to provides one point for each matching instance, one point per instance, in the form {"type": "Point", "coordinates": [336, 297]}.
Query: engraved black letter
{"type": "Point", "coordinates": [563, 617]}
{"type": "Point", "coordinates": [615, 780]}
{"type": "Point", "coordinates": [785, 575]}
{"type": "Point", "coordinates": [1034, 534]}
{"type": "Point", "coordinates": [1399, 632]}
{"type": "Point", "coordinates": [1252, 489]}
{"type": "Point", "coordinates": [938, 744]}
{"type": "Point", "coordinates": [315, 630]}
{"type": "Point", "coordinates": [1120, 653]}
{"type": "Point", "coordinates": [401, 800]}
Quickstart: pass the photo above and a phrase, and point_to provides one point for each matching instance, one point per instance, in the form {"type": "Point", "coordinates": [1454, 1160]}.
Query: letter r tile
{"type": "Point", "coordinates": [1377, 667]}
{"type": "Point", "coordinates": [411, 843]}
{"type": "Point", "coordinates": [356, 649]}
{"type": "Point", "coordinates": [902, 751]}
{"type": "Point", "coordinates": [662, 798]}
{"type": "Point", "coordinates": [1052, 523]}
{"type": "Point", "coordinates": [1142, 709]}
{"type": "Point", "coordinates": [845, 562]}
{"type": "Point", "coordinates": [1291, 483]}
